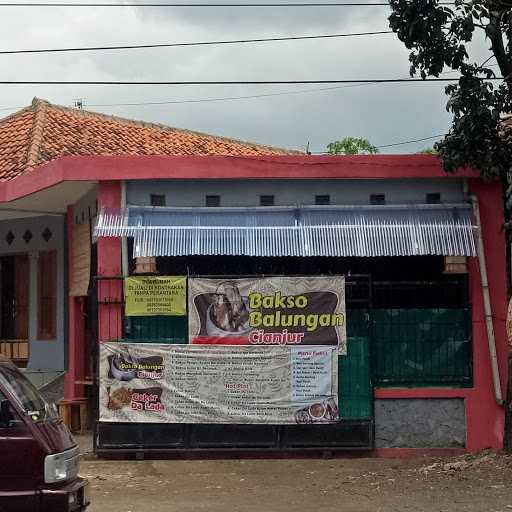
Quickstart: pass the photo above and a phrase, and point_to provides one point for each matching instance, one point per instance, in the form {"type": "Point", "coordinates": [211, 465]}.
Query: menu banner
{"type": "Point", "coordinates": [277, 384]}
{"type": "Point", "coordinates": [268, 311]}
{"type": "Point", "coordinates": [155, 295]}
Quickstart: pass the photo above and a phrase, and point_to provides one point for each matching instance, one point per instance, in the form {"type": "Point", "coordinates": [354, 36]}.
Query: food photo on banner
{"type": "Point", "coordinates": [268, 311]}
{"type": "Point", "coordinates": [261, 350]}
{"type": "Point", "coordinates": [277, 384]}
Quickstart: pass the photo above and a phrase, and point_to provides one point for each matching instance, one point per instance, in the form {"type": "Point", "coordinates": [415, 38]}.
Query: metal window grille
{"type": "Point", "coordinates": [421, 333]}
{"type": "Point", "coordinates": [421, 347]}
{"type": "Point", "coordinates": [354, 382]}
{"type": "Point", "coordinates": [445, 292]}
{"type": "Point", "coordinates": [156, 329]}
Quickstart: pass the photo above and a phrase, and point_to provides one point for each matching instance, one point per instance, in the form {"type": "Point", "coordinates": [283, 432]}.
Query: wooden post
{"type": "Point", "coordinates": [76, 334]}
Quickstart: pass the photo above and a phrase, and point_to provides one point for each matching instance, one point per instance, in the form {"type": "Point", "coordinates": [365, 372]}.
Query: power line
{"type": "Point", "coordinates": [232, 82]}
{"type": "Point", "coordinates": [225, 98]}
{"type": "Point", "coordinates": [229, 98]}
{"type": "Point", "coordinates": [202, 43]}
{"type": "Point", "coordinates": [412, 141]}
{"type": "Point", "coordinates": [208, 100]}
{"type": "Point", "coordinates": [265, 5]}
{"type": "Point", "coordinates": [402, 143]}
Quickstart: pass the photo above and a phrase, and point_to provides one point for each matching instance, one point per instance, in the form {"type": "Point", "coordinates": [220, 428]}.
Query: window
{"type": "Point", "coordinates": [47, 295]}
{"type": "Point", "coordinates": [437, 354]}
{"type": "Point", "coordinates": [377, 199]}
{"type": "Point", "coordinates": [22, 389]}
{"type": "Point", "coordinates": [157, 199]}
{"type": "Point", "coordinates": [212, 200]}
{"type": "Point", "coordinates": [434, 198]}
{"type": "Point", "coordinates": [323, 199]}
{"type": "Point", "coordinates": [267, 200]}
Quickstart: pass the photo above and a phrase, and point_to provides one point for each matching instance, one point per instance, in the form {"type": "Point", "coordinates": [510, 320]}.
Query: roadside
{"type": "Point", "coordinates": [470, 483]}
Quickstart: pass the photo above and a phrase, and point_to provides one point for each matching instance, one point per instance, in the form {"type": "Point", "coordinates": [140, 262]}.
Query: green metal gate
{"type": "Point", "coordinates": [422, 347]}
{"type": "Point", "coordinates": [354, 377]}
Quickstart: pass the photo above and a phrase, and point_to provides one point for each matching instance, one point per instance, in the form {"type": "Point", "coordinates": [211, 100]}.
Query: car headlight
{"type": "Point", "coordinates": [61, 466]}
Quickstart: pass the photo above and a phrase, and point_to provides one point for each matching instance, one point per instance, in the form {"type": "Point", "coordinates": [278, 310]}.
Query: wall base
{"type": "Point", "coordinates": [167, 437]}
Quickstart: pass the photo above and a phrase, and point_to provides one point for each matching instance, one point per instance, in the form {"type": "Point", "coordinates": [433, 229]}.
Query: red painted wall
{"type": "Point", "coordinates": [485, 419]}
{"type": "Point", "coordinates": [110, 291]}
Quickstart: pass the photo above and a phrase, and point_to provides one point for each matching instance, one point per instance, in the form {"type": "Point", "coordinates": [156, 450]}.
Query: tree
{"type": "Point", "coordinates": [438, 37]}
{"type": "Point", "coordinates": [428, 151]}
{"type": "Point", "coordinates": [351, 146]}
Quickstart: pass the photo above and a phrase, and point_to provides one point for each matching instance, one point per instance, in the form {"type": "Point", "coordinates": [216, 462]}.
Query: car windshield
{"type": "Point", "coordinates": [25, 393]}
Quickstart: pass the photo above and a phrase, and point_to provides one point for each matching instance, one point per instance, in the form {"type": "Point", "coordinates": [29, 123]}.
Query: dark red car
{"type": "Point", "coordinates": [39, 459]}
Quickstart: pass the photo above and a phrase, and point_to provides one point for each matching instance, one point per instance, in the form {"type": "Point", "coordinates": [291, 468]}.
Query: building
{"type": "Point", "coordinates": [36, 225]}
{"type": "Point", "coordinates": [422, 254]}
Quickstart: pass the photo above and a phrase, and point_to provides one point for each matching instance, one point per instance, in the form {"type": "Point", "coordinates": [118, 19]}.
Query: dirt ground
{"type": "Point", "coordinates": [470, 483]}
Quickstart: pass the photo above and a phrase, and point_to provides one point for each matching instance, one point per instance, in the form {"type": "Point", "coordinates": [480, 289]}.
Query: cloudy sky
{"type": "Point", "coordinates": [384, 114]}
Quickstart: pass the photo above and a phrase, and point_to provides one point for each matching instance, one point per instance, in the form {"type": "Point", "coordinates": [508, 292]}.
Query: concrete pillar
{"type": "Point", "coordinates": [109, 272]}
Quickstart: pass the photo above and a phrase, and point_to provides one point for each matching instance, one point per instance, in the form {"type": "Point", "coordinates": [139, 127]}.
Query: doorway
{"type": "Point", "coordinates": [14, 308]}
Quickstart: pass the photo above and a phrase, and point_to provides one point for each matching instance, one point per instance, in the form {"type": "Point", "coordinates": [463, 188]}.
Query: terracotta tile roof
{"type": "Point", "coordinates": [43, 132]}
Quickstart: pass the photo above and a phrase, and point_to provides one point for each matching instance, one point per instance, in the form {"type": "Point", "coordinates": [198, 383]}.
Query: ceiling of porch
{"type": "Point", "coordinates": [50, 201]}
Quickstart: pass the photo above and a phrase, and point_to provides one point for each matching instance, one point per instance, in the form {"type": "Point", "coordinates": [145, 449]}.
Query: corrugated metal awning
{"type": "Point", "coordinates": [391, 230]}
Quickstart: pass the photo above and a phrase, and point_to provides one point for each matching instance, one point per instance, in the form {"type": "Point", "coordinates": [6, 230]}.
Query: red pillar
{"type": "Point", "coordinates": [110, 289]}
{"type": "Point", "coordinates": [76, 327]}
{"type": "Point", "coordinates": [485, 418]}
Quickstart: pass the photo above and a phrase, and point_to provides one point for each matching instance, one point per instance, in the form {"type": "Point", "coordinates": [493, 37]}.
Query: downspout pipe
{"type": "Point", "coordinates": [491, 340]}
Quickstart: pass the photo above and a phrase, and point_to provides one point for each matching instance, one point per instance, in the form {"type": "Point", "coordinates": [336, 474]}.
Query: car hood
{"type": "Point", "coordinates": [54, 435]}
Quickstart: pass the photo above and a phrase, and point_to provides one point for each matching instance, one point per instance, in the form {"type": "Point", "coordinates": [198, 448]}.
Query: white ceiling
{"type": "Point", "coordinates": [53, 200]}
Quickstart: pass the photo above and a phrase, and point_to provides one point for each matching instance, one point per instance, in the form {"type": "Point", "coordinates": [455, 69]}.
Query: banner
{"type": "Point", "coordinates": [279, 384]}
{"type": "Point", "coordinates": [155, 295]}
{"type": "Point", "coordinates": [268, 311]}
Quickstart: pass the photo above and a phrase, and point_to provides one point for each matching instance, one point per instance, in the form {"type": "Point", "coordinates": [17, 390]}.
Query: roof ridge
{"type": "Point", "coordinates": [36, 134]}
{"type": "Point", "coordinates": [159, 126]}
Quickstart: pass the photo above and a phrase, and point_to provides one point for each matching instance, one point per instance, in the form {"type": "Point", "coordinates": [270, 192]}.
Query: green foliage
{"type": "Point", "coordinates": [351, 146]}
{"type": "Point", "coordinates": [428, 151]}
{"type": "Point", "coordinates": [438, 37]}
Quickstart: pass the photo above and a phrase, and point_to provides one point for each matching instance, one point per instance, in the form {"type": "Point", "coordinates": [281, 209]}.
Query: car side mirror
{"type": "Point", "coordinates": [5, 413]}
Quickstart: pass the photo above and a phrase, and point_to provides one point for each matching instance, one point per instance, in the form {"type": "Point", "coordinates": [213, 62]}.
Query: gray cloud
{"type": "Point", "coordinates": [382, 113]}
{"type": "Point", "coordinates": [265, 20]}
